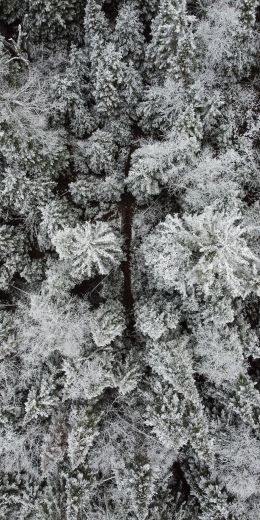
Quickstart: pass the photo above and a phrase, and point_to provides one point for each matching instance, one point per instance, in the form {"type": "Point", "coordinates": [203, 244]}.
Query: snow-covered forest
{"type": "Point", "coordinates": [129, 260]}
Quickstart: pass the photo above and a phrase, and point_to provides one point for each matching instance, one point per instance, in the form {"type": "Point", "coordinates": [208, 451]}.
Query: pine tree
{"type": "Point", "coordinates": [129, 257]}
{"type": "Point", "coordinates": [109, 82]}
{"type": "Point", "coordinates": [12, 254]}
{"type": "Point", "coordinates": [167, 27]}
{"type": "Point", "coordinates": [88, 249]}
{"type": "Point", "coordinates": [46, 332]}
{"type": "Point", "coordinates": [175, 414]}
{"type": "Point", "coordinates": [11, 11]}
{"type": "Point", "coordinates": [52, 22]}
{"type": "Point", "coordinates": [219, 353]}
{"type": "Point", "coordinates": [107, 323]}
{"type": "Point", "coordinates": [96, 32]}
{"type": "Point", "coordinates": [128, 36]}
{"type": "Point", "coordinates": [248, 12]}
{"type": "Point", "coordinates": [70, 97]}
{"type": "Point", "coordinates": [238, 461]}
{"type": "Point", "coordinates": [200, 250]}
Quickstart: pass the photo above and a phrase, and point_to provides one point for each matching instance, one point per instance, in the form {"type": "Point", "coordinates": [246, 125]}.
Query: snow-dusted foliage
{"type": "Point", "coordinates": [129, 260]}
{"type": "Point", "coordinates": [88, 249]}
{"type": "Point", "coordinates": [201, 251]}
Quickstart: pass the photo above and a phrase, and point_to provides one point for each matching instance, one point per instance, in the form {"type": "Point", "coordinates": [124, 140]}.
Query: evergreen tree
{"type": "Point", "coordinates": [88, 249]}
{"type": "Point", "coordinates": [51, 22]}
{"type": "Point", "coordinates": [199, 251]}
{"type": "Point", "coordinates": [129, 260]}
{"type": "Point", "coordinates": [169, 30]}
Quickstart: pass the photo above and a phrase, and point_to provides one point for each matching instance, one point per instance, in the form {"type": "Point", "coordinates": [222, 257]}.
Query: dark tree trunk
{"type": "Point", "coordinates": [126, 207]}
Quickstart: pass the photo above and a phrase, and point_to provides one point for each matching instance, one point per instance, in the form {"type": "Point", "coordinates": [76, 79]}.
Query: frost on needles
{"type": "Point", "coordinates": [129, 260]}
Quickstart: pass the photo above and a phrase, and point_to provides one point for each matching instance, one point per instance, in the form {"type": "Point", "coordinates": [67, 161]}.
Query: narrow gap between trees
{"type": "Point", "coordinates": [126, 207]}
